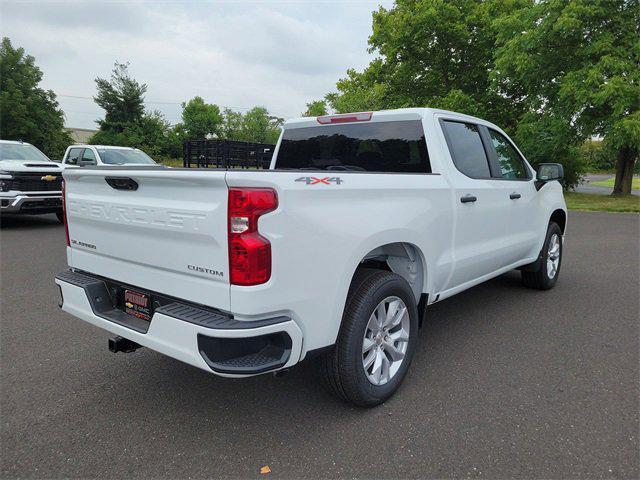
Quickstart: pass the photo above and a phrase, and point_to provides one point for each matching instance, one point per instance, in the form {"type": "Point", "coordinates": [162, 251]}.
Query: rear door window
{"type": "Point", "coordinates": [397, 146]}
{"type": "Point", "coordinates": [467, 149]}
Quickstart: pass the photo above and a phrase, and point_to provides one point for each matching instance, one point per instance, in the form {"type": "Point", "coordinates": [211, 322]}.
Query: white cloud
{"type": "Point", "coordinates": [279, 54]}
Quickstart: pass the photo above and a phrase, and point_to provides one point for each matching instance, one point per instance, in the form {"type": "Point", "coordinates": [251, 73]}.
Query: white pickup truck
{"type": "Point", "coordinates": [82, 155]}
{"type": "Point", "coordinates": [336, 251]}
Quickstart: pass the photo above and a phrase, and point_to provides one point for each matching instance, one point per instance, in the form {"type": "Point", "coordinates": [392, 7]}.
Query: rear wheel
{"type": "Point", "coordinates": [376, 341]}
{"type": "Point", "coordinates": [547, 268]}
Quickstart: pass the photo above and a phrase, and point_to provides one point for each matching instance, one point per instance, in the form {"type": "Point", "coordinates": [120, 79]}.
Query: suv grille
{"type": "Point", "coordinates": [32, 182]}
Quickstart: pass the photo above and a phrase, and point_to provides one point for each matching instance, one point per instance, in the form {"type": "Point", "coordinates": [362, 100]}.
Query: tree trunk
{"type": "Point", "coordinates": [624, 170]}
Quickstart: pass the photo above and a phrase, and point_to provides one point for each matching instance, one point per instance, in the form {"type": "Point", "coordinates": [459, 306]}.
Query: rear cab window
{"type": "Point", "coordinates": [384, 147]}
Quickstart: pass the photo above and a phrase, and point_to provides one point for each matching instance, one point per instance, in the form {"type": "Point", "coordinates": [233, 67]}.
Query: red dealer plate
{"type": "Point", "coordinates": [137, 304]}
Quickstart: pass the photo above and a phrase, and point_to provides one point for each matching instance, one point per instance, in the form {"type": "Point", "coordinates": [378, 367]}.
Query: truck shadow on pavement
{"type": "Point", "coordinates": [32, 222]}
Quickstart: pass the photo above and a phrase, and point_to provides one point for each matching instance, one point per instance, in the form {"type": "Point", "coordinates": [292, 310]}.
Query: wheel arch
{"type": "Point", "coordinates": [402, 258]}
{"type": "Point", "coordinates": [559, 216]}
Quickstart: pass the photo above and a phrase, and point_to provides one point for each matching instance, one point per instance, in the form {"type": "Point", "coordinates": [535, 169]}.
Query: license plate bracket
{"type": "Point", "coordinates": [138, 304]}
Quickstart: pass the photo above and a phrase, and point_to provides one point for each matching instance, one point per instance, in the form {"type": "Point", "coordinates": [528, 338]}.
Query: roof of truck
{"type": "Point", "coordinates": [396, 114]}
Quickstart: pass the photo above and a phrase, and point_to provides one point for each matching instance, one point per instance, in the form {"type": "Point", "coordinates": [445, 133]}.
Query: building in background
{"type": "Point", "coordinates": [80, 135]}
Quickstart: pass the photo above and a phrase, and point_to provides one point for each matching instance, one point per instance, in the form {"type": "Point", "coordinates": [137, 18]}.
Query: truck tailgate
{"type": "Point", "coordinates": [168, 235]}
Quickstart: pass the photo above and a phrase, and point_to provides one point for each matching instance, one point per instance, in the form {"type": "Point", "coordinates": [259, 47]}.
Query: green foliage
{"type": "Point", "coordinates": [599, 156]}
{"type": "Point", "coordinates": [28, 112]}
{"type": "Point", "coordinates": [432, 53]}
{"type": "Point", "coordinates": [200, 119]}
{"type": "Point", "coordinates": [122, 99]}
{"type": "Point", "coordinates": [578, 60]}
{"type": "Point", "coordinates": [316, 108]}
{"type": "Point", "coordinates": [360, 92]}
{"type": "Point", "coordinates": [151, 133]}
{"type": "Point", "coordinates": [547, 138]}
{"type": "Point", "coordinates": [256, 125]}
{"type": "Point", "coordinates": [127, 124]}
{"type": "Point", "coordinates": [259, 126]}
{"type": "Point", "coordinates": [231, 125]}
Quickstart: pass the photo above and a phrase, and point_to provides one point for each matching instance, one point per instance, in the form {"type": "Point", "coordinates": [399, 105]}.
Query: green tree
{"type": "Point", "coordinates": [579, 61]}
{"type": "Point", "coordinates": [28, 112]}
{"type": "Point", "coordinates": [201, 119]}
{"type": "Point", "coordinates": [231, 128]}
{"type": "Point", "coordinates": [259, 126]}
{"type": "Point", "coordinates": [122, 99]}
{"type": "Point", "coordinates": [126, 123]}
{"type": "Point", "coordinates": [256, 125]}
{"type": "Point", "coordinates": [151, 133]}
{"type": "Point", "coordinates": [549, 138]}
{"type": "Point", "coordinates": [316, 108]}
{"type": "Point", "coordinates": [433, 53]}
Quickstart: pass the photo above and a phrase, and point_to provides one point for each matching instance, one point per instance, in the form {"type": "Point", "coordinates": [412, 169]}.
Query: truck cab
{"type": "Point", "coordinates": [104, 155]}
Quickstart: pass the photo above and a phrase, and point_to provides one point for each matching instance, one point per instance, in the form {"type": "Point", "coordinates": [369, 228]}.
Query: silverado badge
{"type": "Point", "coordinates": [48, 178]}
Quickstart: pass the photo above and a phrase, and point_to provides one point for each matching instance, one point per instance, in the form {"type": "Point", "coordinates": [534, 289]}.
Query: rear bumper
{"type": "Point", "coordinates": [35, 203]}
{"type": "Point", "coordinates": [210, 340]}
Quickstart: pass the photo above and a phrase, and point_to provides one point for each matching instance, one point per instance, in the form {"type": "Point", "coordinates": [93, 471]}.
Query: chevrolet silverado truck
{"type": "Point", "coordinates": [30, 182]}
{"type": "Point", "coordinates": [104, 155]}
{"type": "Point", "coordinates": [335, 252]}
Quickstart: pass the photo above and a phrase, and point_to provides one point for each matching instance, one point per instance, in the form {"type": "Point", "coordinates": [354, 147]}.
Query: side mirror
{"type": "Point", "coordinates": [548, 172]}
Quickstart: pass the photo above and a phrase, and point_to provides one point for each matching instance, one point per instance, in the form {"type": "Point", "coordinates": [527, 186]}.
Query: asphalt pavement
{"type": "Point", "coordinates": [507, 382]}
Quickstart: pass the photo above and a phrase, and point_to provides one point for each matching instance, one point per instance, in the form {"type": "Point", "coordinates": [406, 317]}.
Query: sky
{"type": "Point", "coordinates": [279, 54]}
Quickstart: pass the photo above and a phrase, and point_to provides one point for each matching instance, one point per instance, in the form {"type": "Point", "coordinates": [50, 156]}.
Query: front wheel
{"type": "Point", "coordinates": [376, 341]}
{"type": "Point", "coordinates": [547, 268]}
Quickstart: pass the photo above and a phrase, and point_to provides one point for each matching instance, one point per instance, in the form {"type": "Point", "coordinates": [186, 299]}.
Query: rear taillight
{"type": "Point", "coordinates": [64, 214]}
{"type": "Point", "coordinates": [249, 252]}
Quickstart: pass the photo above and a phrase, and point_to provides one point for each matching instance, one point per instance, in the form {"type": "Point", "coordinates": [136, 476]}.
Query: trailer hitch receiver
{"type": "Point", "coordinates": [121, 344]}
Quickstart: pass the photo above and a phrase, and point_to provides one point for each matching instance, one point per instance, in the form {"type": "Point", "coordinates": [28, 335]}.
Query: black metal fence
{"type": "Point", "coordinates": [226, 154]}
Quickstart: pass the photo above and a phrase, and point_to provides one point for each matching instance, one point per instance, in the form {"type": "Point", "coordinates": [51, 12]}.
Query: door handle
{"type": "Point", "coordinates": [515, 196]}
{"type": "Point", "coordinates": [468, 199]}
{"type": "Point", "coordinates": [122, 183]}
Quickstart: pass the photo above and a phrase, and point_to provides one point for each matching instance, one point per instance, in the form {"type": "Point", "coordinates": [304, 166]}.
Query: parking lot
{"type": "Point", "coordinates": [506, 382]}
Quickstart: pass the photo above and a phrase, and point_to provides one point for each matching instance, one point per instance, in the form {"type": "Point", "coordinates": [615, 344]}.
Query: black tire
{"type": "Point", "coordinates": [341, 368]}
{"type": "Point", "coordinates": [536, 275]}
{"type": "Point", "coordinates": [60, 216]}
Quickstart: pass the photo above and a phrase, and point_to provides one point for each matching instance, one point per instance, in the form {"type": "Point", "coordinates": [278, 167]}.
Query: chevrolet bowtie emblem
{"type": "Point", "coordinates": [48, 178]}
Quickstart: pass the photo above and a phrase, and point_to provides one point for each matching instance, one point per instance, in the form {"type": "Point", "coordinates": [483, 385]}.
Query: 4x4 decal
{"type": "Point", "coordinates": [317, 181]}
